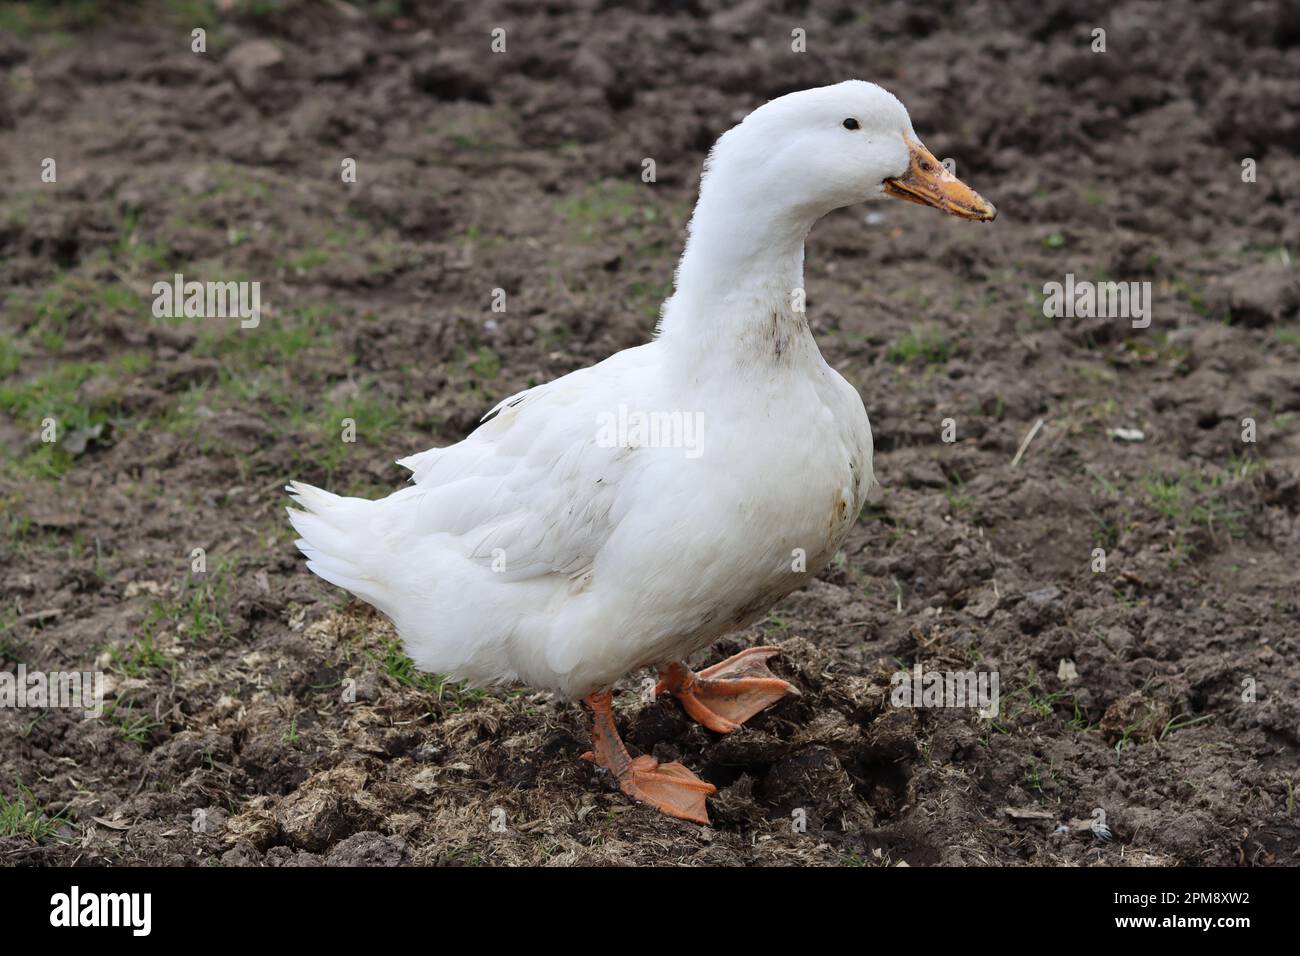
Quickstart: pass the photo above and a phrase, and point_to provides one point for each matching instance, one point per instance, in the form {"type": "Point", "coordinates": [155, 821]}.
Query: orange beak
{"type": "Point", "coordinates": [928, 182]}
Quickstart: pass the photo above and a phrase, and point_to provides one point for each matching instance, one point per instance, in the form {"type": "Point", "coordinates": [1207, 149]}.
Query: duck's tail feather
{"type": "Point", "coordinates": [331, 528]}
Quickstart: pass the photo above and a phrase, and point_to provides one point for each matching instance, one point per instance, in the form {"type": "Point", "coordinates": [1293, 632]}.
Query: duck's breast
{"type": "Point", "coordinates": [711, 542]}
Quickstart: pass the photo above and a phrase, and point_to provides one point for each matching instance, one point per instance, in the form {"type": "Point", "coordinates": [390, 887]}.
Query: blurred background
{"type": "Point", "coordinates": [1162, 690]}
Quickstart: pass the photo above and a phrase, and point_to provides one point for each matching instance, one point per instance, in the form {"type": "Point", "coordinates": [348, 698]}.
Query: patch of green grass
{"type": "Point", "coordinates": [289, 408]}
{"type": "Point", "coordinates": [595, 209]}
{"type": "Point", "coordinates": [648, 297]}
{"type": "Point", "coordinates": [1029, 700]}
{"type": "Point", "coordinates": [47, 316]}
{"type": "Point", "coordinates": [1188, 502]}
{"type": "Point", "coordinates": [403, 670]}
{"type": "Point", "coordinates": [277, 339]}
{"type": "Point", "coordinates": [1108, 531]}
{"type": "Point", "coordinates": [1036, 298]}
{"type": "Point", "coordinates": [1195, 499]}
{"type": "Point", "coordinates": [22, 816]}
{"type": "Point", "coordinates": [184, 415]}
{"type": "Point", "coordinates": [233, 180]}
{"type": "Point", "coordinates": [135, 253]}
{"type": "Point", "coordinates": [11, 358]}
{"type": "Point", "coordinates": [958, 502]}
{"type": "Point", "coordinates": [27, 17]}
{"type": "Point", "coordinates": [1289, 337]}
{"type": "Point", "coordinates": [17, 528]}
{"type": "Point", "coordinates": [1044, 705]}
{"type": "Point", "coordinates": [53, 309]}
{"type": "Point", "coordinates": [1033, 776]}
{"type": "Point", "coordinates": [474, 128]}
{"type": "Point", "coordinates": [20, 209]}
{"type": "Point", "coordinates": [930, 346]}
{"type": "Point", "coordinates": [382, 253]}
{"type": "Point", "coordinates": [474, 236]}
{"type": "Point", "coordinates": [56, 395]}
{"type": "Point", "coordinates": [1079, 723]}
{"type": "Point", "coordinates": [1195, 296]}
{"type": "Point", "coordinates": [20, 539]}
{"type": "Point", "coordinates": [1183, 721]}
{"type": "Point", "coordinates": [993, 725]}
{"type": "Point", "coordinates": [1166, 496]}
{"type": "Point", "coordinates": [1270, 253]}
{"type": "Point", "coordinates": [135, 727]}
{"type": "Point", "coordinates": [1096, 374]}
{"type": "Point", "coordinates": [195, 13]}
{"type": "Point", "coordinates": [10, 648]}
{"type": "Point", "coordinates": [373, 421]}
{"type": "Point", "coordinates": [1126, 738]}
{"type": "Point", "coordinates": [1152, 348]}
{"type": "Point", "coordinates": [308, 260]}
{"type": "Point", "coordinates": [142, 654]}
{"type": "Point", "coordinates": [486, 364]}
{"type": "Point", "coordinates": [198, 612]}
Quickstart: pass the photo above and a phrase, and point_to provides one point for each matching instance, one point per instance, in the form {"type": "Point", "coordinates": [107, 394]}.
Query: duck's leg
{"type": "Point", "coordinates": [668, 787]}
{"type": "Point", "coordinates": [724, 696]}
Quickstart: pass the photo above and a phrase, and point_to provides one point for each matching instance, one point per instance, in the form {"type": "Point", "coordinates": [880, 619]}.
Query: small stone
{"type": "Point", "coordinates": [984, 605]}
{"type": "Point", "coordinates": [252, 63]}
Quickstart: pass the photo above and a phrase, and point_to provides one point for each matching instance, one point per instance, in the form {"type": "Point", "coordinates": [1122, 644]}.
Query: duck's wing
{"type": "Point", "coordinates": [476, 560]}
{"type": "Point", "coordinates": [535, 490]}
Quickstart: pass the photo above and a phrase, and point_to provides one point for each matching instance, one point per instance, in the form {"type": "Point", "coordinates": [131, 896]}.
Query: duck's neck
{"type": "Point", "coordinates": [739, 292]}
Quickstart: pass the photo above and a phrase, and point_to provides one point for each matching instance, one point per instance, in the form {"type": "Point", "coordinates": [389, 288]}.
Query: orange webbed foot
{"type": "Point", "coordinates": [724, 696]}
{"type": "Point", "coordinates": [668, 787]}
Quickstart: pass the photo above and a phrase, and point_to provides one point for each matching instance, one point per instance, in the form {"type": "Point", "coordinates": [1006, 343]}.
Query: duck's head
{"type": "Point", "coordinates": [820, 149]}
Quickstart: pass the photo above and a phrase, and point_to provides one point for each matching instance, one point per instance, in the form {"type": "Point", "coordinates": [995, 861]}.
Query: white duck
{"type": "Point", "coordinates": [548, 548]}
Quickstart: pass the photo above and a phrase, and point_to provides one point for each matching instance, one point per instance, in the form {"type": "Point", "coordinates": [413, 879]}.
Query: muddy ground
{"type": "Point", "coordinates": [1162, 691]}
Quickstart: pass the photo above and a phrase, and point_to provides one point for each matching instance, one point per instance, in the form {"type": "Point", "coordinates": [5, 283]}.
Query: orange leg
{"type": "Point", "coordinates": [669, 787]}
{"type": "Point", "coordinates": [724, 696]}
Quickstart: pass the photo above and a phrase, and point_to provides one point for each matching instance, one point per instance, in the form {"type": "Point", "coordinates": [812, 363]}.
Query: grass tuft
{"type": "Point", "coordinates": [22, 816]}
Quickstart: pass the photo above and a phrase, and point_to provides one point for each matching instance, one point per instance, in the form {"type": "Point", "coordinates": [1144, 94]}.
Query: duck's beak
{"type": "Point", "coordinates": [928, 182]}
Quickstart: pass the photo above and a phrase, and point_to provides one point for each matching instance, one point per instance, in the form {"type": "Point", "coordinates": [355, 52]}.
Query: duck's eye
{"type": "Point", "coordinates": [850, 123]}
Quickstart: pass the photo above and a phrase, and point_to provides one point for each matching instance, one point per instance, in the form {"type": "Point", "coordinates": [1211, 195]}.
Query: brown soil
{"type": "Point", "coordinates": [229, 737]}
